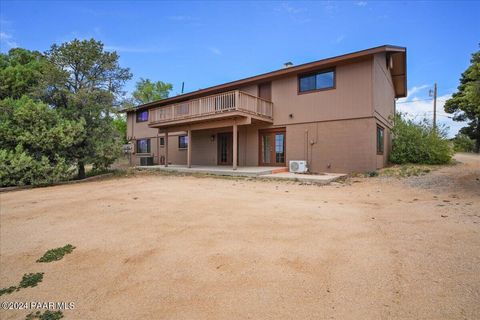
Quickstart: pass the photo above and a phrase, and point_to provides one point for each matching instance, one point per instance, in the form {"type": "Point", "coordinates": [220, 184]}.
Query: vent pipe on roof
{"type": "Point", "coordinates": [287, 64]}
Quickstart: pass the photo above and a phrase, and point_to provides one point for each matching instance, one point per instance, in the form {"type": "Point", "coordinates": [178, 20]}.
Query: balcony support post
{"type": "Point", "coordinates": [235, 144]}
{"type": "Point", "coordinates": [237, 99]}
{"type": "Point", "coordinates": [189, 148]}
{"type": "Point", "coordinates": [166, 147]}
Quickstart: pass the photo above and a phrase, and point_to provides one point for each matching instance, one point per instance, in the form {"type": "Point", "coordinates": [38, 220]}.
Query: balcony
{"type": "Point", "coordinates": [219, 106]}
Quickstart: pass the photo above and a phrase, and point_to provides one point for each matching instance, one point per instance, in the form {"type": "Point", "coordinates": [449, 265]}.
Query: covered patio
{"type": "Point", "coordinates": [231, 113]}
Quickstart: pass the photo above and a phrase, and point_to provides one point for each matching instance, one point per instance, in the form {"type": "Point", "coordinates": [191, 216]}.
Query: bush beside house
{"type": "Point", "coordinates": [419, 142]}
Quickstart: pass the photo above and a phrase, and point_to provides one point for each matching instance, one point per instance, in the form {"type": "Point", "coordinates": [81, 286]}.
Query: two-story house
{"type": "Point", "coordinates": [335, 113]}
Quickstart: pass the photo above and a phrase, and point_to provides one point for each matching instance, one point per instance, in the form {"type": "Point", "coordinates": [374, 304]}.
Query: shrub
{"type": "Point", "coordinates": [463, 143]}
{"type": "Point", "coordinates": [7, 290]}
{"type": "Point", "coordinates": [406, 170]}
{"type": "Point", "coordinates": [18, 168]}
{"type": "Point", "coordinates": [28, 280]}
{"type": "Point", "coordinates": [372, 174]}
{"type": "Point", "coordinates": [35, 142]}
{"type": "Point", "coordinates": [47, 315]}
{"type": "Point", "coordinates": [31, 280]}
{"type": "Point", "coordinates": [56, 254]}
{"type": "Point", "coordinates": [418, 142]}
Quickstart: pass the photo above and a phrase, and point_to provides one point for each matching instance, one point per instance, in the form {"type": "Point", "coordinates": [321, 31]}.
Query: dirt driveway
{"type": "Point", "coordinates": [164, 247]}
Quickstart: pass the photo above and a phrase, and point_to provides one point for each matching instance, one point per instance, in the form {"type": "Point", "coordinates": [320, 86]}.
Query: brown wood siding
{"type": "Point", "coordinates": [338, 146]}
{"type": "Point", "coordinates": [351, 98]}
{"type": "Point", "coordinates": [265, 91]}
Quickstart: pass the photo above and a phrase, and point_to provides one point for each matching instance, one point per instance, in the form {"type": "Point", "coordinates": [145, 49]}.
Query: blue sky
{"type": "Point", "coordinates": [208, 43]}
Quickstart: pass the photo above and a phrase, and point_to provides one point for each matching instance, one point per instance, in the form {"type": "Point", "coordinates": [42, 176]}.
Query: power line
{"type": "Point", "coordinates": [430, 99]}
{"type": "Point", "coordinates": [428, 112]}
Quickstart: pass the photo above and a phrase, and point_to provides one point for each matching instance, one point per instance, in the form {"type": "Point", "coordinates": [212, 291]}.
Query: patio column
{"type": "Point", "coordinates": [189, 148]}
{"type": "Point", "coordinates": [235, 145]}
{"type": "Point", "coordinates": [166, 147]}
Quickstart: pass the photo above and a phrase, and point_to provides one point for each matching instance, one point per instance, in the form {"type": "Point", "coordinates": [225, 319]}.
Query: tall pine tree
{"type": "Point", "coordinates": [85, 83]}
{"type": "Point", "coordinates": [465, 103]}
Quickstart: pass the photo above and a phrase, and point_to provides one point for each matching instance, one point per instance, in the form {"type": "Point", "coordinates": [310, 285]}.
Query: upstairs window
{"type": "Point", "coordinates": [182, 142]}
{"type": "Point", "coordinates": [143, 146]}
{"type": "Point", "coordinates": [162, 141]}
{"type": "Point", "coordinates": [142, 116]}
{"type": "Point", "coordinates": [321, 80]}
{"type": "Point", "coordinates": [380, 140]}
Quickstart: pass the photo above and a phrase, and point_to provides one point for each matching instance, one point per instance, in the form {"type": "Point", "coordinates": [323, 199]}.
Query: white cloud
{"type": "Point", "coordinates": [361, 3]}
{"type": "Point", "coordinates": [412, 92]}
{"type": "Point", "coordinates": [7, 40]}
{"type": "Point", "coordinates": [419, 105]}
{"type": "Point", "coordinates": [329, 6]}
{"type": "Point", "coordinates": [131, 49]}
{"type": "Point", "coordinates": [289, 8]}
{"type": "Point", "coordinates": [340, 38]}
{"type": "Point", "coordinates": [297, 14]}
{"type": "Point", "coordinates": [95, 33]}
{"type": "Point", "coordinates": [215, 51]}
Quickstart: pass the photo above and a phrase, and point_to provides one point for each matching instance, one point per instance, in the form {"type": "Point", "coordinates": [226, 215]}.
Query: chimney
{"type": "Point", "coordinates": [287, 64]}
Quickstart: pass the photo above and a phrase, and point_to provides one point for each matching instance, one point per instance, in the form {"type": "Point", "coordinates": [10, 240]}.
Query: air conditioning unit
{"type": "Point", "coordinates": [298, 166]}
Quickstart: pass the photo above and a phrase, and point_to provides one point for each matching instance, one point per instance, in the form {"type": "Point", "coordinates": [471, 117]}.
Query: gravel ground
{"type": "Point", "coordinates": [171, 247]}
{"type": "Point", "coordinates": [461, 178]}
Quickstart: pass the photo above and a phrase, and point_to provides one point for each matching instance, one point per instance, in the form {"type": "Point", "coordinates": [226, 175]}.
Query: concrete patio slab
{"type": "Point", "coordinates": [312, 178]}
{"type": "Point", "coordinates": [277, 173]}
{"type": "Point", "coordinates": [218, 170]}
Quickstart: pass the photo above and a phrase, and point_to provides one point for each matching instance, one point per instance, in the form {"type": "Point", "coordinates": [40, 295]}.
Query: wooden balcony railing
{"type": "Point", "coordinates": [212, 105]}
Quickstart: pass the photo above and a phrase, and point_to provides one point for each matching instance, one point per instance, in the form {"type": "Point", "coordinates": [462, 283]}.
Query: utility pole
{"type": "Point", "coordinates": [435, 105]}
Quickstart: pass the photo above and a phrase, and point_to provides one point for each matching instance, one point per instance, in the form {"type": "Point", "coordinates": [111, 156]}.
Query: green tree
{"type": "Point", "coordinates": [465, 103]}
{"type": "Point", "coordinates": [463, 143]}
{"type": "Point", "coordinates": [120, 123]}
{"type": "Point", "coordinates": [34, 142]}
{"type": "Point", "coordinates": [85, 84]}
{"type": "Point", "coordinates": [148, 91]}
{"type": "Point", "coordinates": [20, 72]}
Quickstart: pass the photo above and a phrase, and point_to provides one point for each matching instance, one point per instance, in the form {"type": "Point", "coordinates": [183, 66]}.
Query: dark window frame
{"type": "Point", "coordinates": [314, 73]}
{"type": "Point", "coordinates": [162, 141]}
{"type": "Point", "coordinates": [380, 144]}
{"type": "Point", "coordinates": [183, 145]}
{"type": "Point", "coordinates": [138, 113]}
{"type": "Point", "coordinates": [137, 148]}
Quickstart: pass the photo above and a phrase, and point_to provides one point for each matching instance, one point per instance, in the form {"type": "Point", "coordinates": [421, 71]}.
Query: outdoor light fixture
{"type": "Point", "coordinates": [212, 138]}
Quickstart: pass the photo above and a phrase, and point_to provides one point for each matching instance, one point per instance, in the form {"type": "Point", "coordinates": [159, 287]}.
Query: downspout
{"type": "Point", "coordinates": [305, 145]}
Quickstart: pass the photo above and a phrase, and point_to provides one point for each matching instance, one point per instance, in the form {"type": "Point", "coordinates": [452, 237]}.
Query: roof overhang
{"type": "Point", "coordinates": [398, 72]}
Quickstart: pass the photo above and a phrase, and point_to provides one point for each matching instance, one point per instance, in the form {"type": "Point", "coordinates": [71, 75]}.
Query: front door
{"type": "Point", "coordinates": [272, 147]}
{"type": "Point", "coordinates": [225, 148]}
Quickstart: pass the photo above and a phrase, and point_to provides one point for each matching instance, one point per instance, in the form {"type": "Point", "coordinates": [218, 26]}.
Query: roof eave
{"type": "Point", "coordinates": [273, 74]}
